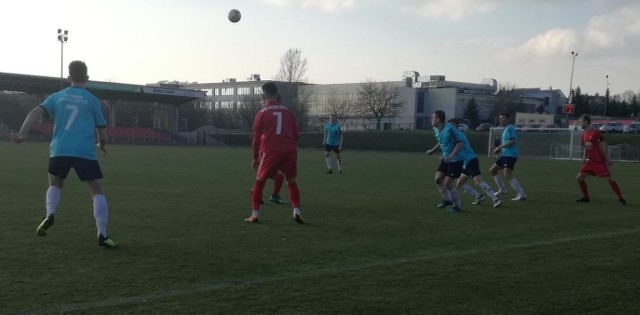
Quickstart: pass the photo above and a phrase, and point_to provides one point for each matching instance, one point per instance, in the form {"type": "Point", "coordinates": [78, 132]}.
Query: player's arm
{"type": "Point", "coordinates": [102, 139]}
{"type": "Point", "coordinates": [455, 152]}
{"type": "Point", "coordinates": [341, 139]}
{"type": "Point", "coordinates": [324, 137]}
{"type": "Point", "coordinates": [31, 119]}
{"type": "Point", "coordinates": [436, 147]}
{"type": "Point", "coordinates": [605, 151]}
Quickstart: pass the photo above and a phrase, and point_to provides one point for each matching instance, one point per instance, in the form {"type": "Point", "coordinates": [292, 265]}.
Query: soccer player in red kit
{"type": "Point", "coordinates": [275, 133]}
{"type": "Point", "coordinates": [595, 159]}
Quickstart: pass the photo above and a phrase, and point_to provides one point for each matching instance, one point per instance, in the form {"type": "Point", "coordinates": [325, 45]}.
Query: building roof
{"type": "Point", "coordinates": [34, 84]}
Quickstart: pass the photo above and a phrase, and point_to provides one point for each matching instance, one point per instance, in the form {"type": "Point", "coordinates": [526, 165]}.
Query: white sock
{"type": "Point", "coordinates": [255, 213]}
{"type": "Point", "coordinates": [516, 186]}
{"type": "Point", "coordinates": [444, 191]}
{"type": "Point", "coordinates": [454, 197]}
{"type": "Point", "coordinates": [488, 190]}
{"type": "Point", "coordinates": [53, 198]}
{"type": "Point", "coordinates": [470, 191]}
{"type": "Point", "coordinates": [328, 162]}
{"type": "Point", "coordinates": [499, 182]}
{"type": "Point", "coordinates": [339, 164]}
{"type": "Point", "coordinates": [296, 210]}
{"type": "Point", "coordinates": [100, 213]}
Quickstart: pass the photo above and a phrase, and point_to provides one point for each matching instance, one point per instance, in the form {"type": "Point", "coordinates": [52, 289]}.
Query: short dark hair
{"type": "Point", "coordinates": [586, 118]}
{"type": "Point", "coordinates": [505, 114]}
{"type": "Point", "coordinates": [270, 89]}
{"type": "Point", "coordinates": [78, 71]}
{"type": "Point", "coordinates": [441, 115]}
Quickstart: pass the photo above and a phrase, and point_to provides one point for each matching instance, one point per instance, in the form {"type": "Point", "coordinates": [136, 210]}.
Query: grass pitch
{"type": "Point", "coordinates": [374, 242]}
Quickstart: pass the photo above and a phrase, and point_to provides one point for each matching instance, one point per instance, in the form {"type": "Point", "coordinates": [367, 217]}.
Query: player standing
{"type": "Point", "coordinates": [508, 150]}
{"type": "Point", "coordinates": [275, 133]}
{"type": "Point", "coordinates": [77, 114]}
{"type": "Point", "coordinates": [332, 141]}
{"type": "Point", "coordinates": [451, 163]}
{"type": "Point", "coordinates": [595, 149]}
{"type": "Point", "coordinates": [471, 169]}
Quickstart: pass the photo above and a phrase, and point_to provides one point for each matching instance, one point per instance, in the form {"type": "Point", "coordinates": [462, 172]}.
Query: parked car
{"type": "Point", "coordinates": [484, 127]}
{"type": "Point", "coordinates": [612, 127]}
{"type": "Point", "coordinates": [631, 128]}
{"type": "Point", "coordinates": [596, 126]}
{"type": "Point", "coordinates": [463, 127]}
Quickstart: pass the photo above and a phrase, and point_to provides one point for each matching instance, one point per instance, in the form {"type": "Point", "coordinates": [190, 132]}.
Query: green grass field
{"type": "Point", "coordinates": [374, 242]}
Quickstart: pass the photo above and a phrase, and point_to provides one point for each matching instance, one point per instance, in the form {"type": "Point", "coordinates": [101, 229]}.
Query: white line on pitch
{"type": "Point", "coordinates": [140, 299]}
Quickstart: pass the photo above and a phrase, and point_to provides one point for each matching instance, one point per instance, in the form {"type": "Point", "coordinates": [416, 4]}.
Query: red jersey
{"type": "Point", "coordinates": [274, 129]}
{"type": "Point", "coordinates": [591, 140]}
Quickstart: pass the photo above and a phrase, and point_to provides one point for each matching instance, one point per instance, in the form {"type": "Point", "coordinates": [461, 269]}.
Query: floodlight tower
{"type": "Point", "coordinates": [63, 37]}
{"type": "Point", "coordinates": [606, 98]}
{"type": "Point", "coordinates": [574, 54]}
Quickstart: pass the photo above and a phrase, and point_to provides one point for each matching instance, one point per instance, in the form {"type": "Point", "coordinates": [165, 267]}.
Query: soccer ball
{"type": "Point", "coordinates": [234, 15]}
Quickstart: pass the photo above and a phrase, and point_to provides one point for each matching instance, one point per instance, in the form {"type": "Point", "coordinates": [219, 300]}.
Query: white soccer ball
{"type": "Point", "coordinates": [234, 15]}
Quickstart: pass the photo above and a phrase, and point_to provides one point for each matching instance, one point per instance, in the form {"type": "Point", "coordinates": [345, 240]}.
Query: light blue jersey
{"type": "Point", "coordinates": [77, 113]}
{"type": "Point", "coordinates": [508, 134]}
{"type": "Point", "coordinates": [447, 139]}
{"type": "Point", "coordinates": [466, 152]}
{"type": "Point", "coordinates": [333, 132]}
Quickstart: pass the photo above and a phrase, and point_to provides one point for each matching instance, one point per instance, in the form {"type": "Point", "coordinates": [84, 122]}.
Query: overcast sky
{"type": "Point", "coordinates": [522, 43]}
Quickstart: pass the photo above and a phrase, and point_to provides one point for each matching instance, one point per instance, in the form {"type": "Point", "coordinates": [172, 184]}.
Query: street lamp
{"type": "Point", "coordinates": [63, 36]}
{"type": "Point", "coordinates": [574, 54]}
{"type": "Point", "coordinates": [606, 98]}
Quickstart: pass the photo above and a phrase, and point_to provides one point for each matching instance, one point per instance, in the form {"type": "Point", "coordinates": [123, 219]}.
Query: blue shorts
{"type": "Point", "coordinates": [85, 169]}
{"type": "Point", "coordinates": [334, 148]}
{"type": "Point", "coordinates": [452, 169]}
{"type": "Point", "coordinates": [472, 169]}
{"type": "Point", "coordinates": [507, 161]}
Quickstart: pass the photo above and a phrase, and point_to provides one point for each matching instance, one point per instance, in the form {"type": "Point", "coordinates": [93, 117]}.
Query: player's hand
{"type": "Point", "coordinates": [429, 152]}
{"type": "Point", "coordinates": [17, 138]}
{"type": "Point", "coordinates": [102, 149]}
{"type": "Point", "coordinates": [254, 164]}
{"type": "Point", "coordinates": [448, 159]}
{"type": "Point", "coordinates": [340, 148]}
{"type": "Point", "coordinates": [496, 150]}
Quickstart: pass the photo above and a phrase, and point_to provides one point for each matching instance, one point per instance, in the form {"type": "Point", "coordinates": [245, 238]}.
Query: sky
{"type": "Point", "coordinates": [520, 43]}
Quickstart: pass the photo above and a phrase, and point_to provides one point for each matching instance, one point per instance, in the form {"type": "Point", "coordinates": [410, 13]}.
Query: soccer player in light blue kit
{"type": "Point", "coordinates": [332, 141]}
{"type": "Point", "coordinates": [77, 114]}
{"type": "Point", "coordinates": [508, 149]}
{"type": "Point", "coordinates": [471, 169]}
{"type": "Point", "coordinates": [451, 162]}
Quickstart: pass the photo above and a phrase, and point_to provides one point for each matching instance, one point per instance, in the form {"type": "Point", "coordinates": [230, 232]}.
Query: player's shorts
{"type": "Point", "coordinates": [85, 169]}
{"type": "Point", "coordinates": [472, 169]}
{"type": "Point", "coordinates": [273, 161]}
{"type": "Point", "coordinates": [451, 169]}
{"type": "Point", "coordinates": [507, 161]}
{"type": "Point", "coordinates": [595, 169]}
{"type": "Point", "coordinates": [334, 148]}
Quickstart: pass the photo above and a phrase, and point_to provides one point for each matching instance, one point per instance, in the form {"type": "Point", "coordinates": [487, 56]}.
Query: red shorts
{"type": "Point", "coordinates": [595, 169]}
{"type": "Point", "coordinates": [272, 162]}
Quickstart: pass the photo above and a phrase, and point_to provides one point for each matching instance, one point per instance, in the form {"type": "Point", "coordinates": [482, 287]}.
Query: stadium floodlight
{"type": "Point", "coordinates": [606, 98]}
{"type": "Point", "coordinates": [63, 37]}
{"type": "Point", "coordinates": [574, 54]}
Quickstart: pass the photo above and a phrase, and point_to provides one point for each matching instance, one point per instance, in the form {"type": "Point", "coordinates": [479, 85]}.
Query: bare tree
{"type": "Point", "coordinates": [292, 67]}
{"type": "Point", "coordinates": [377, 99]}
{"type": "Point", "coordinates": [249, 107]}
{"type": "Point", "coordinates": [340, 105]}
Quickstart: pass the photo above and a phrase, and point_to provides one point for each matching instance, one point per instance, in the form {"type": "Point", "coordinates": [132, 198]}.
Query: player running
{"type": "Point", "coordinates": [508, 150]}
{"type": "Point", "coordinates": [471, 169]}
{"type": "Point", "coordinates": [595, 159]}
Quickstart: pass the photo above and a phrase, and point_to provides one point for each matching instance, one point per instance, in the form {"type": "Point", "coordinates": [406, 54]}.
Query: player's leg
{"type": "Point", "coordinates": [508, 175]}
{"type": "Point", "coordinates": [582, 183]}
{"type": "Point", "coordinates": [453, 173]}
{"type": "Point", "coordinates": [439, 179]}
{"type": "Point", "coordinates": [58, 170]}
{"type": "Point", "coordinates": [337, 151]}
{"type": "Point", "coordinates": [277, 186]}
{"type": "Point", "coordinates": [327, 158]}
{"type": "Point", "coordinates": [495, 172]}
{"type": "Point", "coordinates": [89, 172]}
{"type": "Point", "coordinates": [616, 190]}
{"type": "Point", "coordinates": [268, 168]}
{"type": "Point", "coordinates": [461, 183]}
{"type": "Point", "coordinates": [290, 170]}
{"type": "Point", "coordinates": [488, 190]}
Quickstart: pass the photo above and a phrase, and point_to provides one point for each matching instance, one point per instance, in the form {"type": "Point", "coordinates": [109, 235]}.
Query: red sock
{"type": "Point", "coordinates": [615, 188]}
{"type": "Point", "coordinates": [277, 184]}
{"type": "Point", "coordinates": [583, 188]}
{"type": "Point", "coordinates": [294, 195]}
{"type": "Point", "coordinates": [256, 195]}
